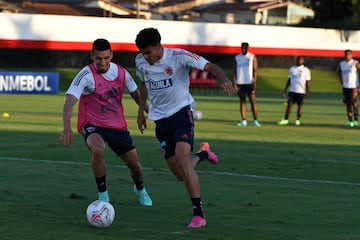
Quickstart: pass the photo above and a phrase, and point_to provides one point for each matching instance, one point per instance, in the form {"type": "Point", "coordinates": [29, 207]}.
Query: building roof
{"type": "Point", "coordinates": [253, 5]}
{"type": "Point", "coordinates": [51, 8]}
{"type": "Point", "coordinates": [100, 8]}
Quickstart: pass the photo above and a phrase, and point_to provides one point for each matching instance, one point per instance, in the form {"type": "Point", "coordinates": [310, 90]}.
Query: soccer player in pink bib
{"type": "Point", "coordinates": [164, 73]}
{"type": "Point", "coordinates": [99, 87]}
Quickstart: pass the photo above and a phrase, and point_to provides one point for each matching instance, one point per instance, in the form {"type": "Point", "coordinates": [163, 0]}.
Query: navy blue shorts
{"type": "Point", "coordinates": [244, 89]}
{"type": "Point", "coordinates": [119, 141]}
{"type": "Point", "coordinates": [176, 128]}
{"type": "Point", "coordinates": [296, 98]}
{"type": "Point", "coordinates": [348, 95]}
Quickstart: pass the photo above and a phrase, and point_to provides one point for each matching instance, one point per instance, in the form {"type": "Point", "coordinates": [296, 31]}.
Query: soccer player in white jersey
{"type": "Point", "coordinates": [348, 71]}
{"type": "Point", "coordinates": [299, 83]}
{"type": "Point", "coordinates": [244, 77]}
{"type": "Point", "coordinates": [99, 86]}
{"type": "Point", "coordinates": [164, 73]}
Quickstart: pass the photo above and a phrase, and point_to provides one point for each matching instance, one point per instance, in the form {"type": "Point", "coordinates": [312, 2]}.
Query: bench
{"type": "Point", "coordinates": [202, 80]}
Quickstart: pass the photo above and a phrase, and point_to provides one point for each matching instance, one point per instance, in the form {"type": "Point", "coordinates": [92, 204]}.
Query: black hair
{"type": "Point", "coordinates": [347, 51]}
{"type": "Point", "coordinates": [101, 44]}
{"type": "Point", "coordinates": [244, 44]}
{"type": "Point", "coordinates": [148, 37]}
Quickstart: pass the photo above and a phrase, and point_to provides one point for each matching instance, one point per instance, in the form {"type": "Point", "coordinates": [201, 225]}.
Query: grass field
{"type": "Point", "coordinates": [273, 183]}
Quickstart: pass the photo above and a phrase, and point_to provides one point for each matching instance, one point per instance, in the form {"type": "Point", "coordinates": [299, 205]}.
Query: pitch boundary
{"type": "Point", "coordinates": [329, 182]}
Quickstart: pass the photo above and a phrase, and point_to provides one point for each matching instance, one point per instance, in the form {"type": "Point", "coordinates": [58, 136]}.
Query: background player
{"type": "Point", "coordinates": [299, 77]}
{"type": "Point", "coordinates": [100, 86]}
{"type": "Point", "coordinates": [348, 71]}
{"type": "Point", "coordinates": [164, 73]}
{"type": "Point", "coordinates": [244, 77]}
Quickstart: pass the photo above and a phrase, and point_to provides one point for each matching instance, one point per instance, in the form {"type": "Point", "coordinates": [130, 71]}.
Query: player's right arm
{"type": "Point", "coordinates": [219, 73]}
{"type": "Point", "coordinates": [83, 80]}
{"type": "Point", "coordinates": [234, 75]}
{"type": "Point", "coordinates": [340, 74]}
{"type": "Point", "coordinates": [67, 135]}
{"type": "Point", "coordinates": [287, 85]}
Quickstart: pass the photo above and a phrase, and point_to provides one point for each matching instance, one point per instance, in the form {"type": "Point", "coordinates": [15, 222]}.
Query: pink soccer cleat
{"type": "Point", "coordinates": [204, 146]}
{"type": "Point", "coordinates": [197, 222]}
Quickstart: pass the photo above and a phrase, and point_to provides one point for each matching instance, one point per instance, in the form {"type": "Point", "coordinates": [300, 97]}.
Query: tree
{"type": "Point", "coordinates": [343, 14]}
{"type": "Point", "coordinates": [326, 10]}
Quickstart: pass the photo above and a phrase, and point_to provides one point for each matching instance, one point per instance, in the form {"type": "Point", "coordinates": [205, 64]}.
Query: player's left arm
{"type": "Point", "coordinates": [307, 88]}
{"type": "Point", "coordinates": [141, 121]}
{"type": "Point", "coordinates": [136, 96]}
{"type": "Point", "coordinates": [255, 72]}
{"type": "Point", "coordinates": [219, 73]}
{"type": "Point", "coordinates": [357, 65]}
{"type": "Point", "coordinates": [131, 86]}
{"type": "Point", "coordinates": [307, 83]}
{"type": "Point", "coordinates": [358, 69]}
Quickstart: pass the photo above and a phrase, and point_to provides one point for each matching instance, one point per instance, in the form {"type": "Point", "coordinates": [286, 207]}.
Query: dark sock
{"type": "Point", "coordinates": [286, 117]}
{"type": "Point", "coordinates": [202, 155]}
{"type": "Point", "coordinates": [101, 183]}
{"type": "Point", "coordinates": [350, 118]}
{"type": "Point", "coordinates": [197, 206]}
{"type": "Point", "coordinates": [139, 185]}
{"type": "Point", "coordinates": [356, 117]}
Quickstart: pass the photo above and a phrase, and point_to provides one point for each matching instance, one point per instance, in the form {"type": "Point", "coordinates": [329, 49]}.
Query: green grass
{"type": "Point", "coordinates": [269, 79]}
{"type": "Point", "coordinates": [273, 182]}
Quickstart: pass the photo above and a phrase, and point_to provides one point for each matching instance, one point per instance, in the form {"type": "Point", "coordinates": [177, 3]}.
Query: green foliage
{"type": "Point", "coordinates": [341, 14]}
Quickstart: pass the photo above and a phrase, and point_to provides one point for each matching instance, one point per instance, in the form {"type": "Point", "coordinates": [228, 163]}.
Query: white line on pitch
{"type": "Point", "coordinates": [199, 171]}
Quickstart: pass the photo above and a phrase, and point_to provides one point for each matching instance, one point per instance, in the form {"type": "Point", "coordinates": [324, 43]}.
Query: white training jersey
{"type": "Point", "coordinates": [349, 74]}
{"type": "Point", "coordinates": [84, 83]}
{"type": "Point", "coordinates": [167, 81]}
{"type": "Point", "coordinates": [298, 76]}
{"type": "Point", "coordinates": [244, 68]}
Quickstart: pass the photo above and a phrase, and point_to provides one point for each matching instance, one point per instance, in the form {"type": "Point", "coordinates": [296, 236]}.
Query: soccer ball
{"type": "Point", "coordinates": [100, 214]}
{"type": "Point", "coordinates": [198, 115]}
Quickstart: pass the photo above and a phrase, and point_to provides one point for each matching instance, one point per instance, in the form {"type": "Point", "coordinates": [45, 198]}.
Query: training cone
{"type": "Point", "coordinates": [6, 115]}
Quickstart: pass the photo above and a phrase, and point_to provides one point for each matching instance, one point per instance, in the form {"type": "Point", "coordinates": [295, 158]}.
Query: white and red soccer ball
{"type": "Point", "coordinates": [100, 214]}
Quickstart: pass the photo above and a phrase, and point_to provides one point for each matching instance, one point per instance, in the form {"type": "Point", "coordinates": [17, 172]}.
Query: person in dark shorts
{"type": "Point", "coordinates": [244, 77]}
{"type": "Point", "coordinates": [164, 75]}
{"type": "Point", "coordinates": [99, 87]}
{"type": "Point", "coordinates": [299, 82]}
{"type": "Point", "coordinates": [348, 72]}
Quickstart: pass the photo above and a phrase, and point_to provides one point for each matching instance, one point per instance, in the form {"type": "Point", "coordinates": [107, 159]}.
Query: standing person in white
{"type": "Point", "coordinates": [348, 71]}
{"type": "Point", "coordinates": [244, 77]}
{"type": "Point", "coordinates": [299, 83]}
{"type": "Point", "coordinates": [164, 75]}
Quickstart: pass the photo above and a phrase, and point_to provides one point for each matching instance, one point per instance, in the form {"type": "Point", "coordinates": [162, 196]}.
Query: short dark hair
{"type": "Point", "coordinates": [347, 51]}
{"type": "Point", "coordinates": [101, 44]}
{"type": "Point", "coordinates": [244, 44]}
{"type": "Point", "coordinates": [148, 37]}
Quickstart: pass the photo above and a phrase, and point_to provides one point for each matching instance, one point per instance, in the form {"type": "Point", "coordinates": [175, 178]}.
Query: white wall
{"type": "Point", "coordinates": [77, 33]}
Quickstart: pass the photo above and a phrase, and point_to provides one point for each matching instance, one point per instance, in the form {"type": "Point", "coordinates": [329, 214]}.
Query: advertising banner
{"type": "Point", "coordinates": [29, 82]}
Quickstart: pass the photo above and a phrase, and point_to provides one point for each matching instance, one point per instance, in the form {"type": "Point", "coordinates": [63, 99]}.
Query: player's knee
{"type": "Point", "coordinates": [135, 168]}
{"type": "Point", "coordinates": [179, 174]}
{"type": "Point", "coordinates": [97, 150]}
